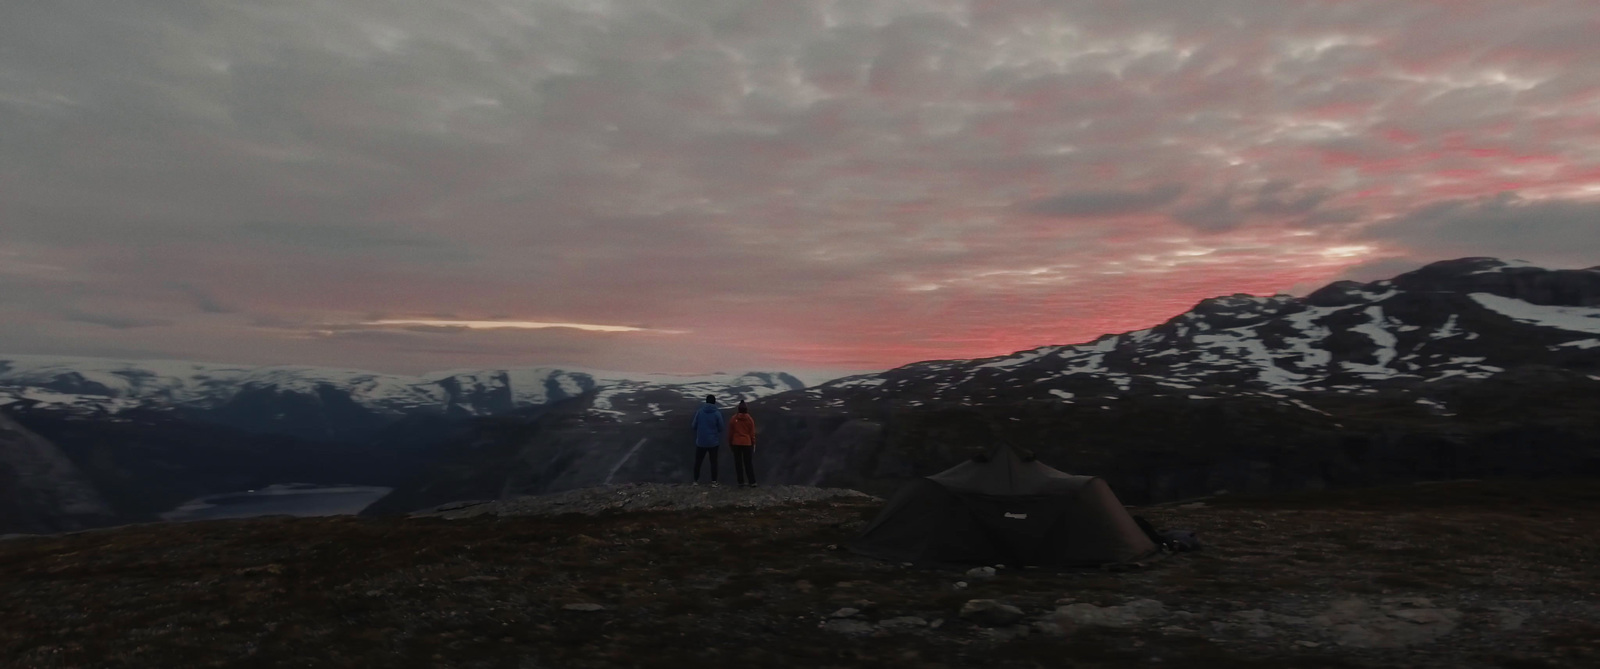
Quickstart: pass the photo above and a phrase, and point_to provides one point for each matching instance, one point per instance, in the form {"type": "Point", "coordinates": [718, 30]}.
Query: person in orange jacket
{"type": "Point", "coordinates": [742, 441]}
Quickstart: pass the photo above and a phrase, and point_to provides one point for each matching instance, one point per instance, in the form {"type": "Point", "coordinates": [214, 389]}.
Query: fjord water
{"type": "Point", "coordinates": [292, 499]}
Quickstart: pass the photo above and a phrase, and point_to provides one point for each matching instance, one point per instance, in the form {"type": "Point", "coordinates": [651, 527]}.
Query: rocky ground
{"type": "Point", "coordinates": [641, 497]}
{"type": "Point", "coordinates": [1444, 575]}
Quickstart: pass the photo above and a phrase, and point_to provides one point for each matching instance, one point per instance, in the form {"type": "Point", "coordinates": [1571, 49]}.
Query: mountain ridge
{"type": "Point", "coordinates": [1355, 384]}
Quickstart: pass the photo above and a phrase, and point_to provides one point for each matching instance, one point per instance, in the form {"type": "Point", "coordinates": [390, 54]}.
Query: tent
{"type": "Point", "coordinates": [1005, 508]}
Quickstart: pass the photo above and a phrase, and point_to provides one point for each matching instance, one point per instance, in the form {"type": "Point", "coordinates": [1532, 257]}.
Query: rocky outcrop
{"type": "Point", "coordinates": [41, 490]}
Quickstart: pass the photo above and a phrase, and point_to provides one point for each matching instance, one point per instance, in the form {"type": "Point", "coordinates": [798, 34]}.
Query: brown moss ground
{"type": "Point", "coordinates": [725, 587]}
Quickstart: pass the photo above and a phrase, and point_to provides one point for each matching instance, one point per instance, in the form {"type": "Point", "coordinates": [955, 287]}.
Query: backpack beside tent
{"type": "Point", "coordinates": [1005, 508]}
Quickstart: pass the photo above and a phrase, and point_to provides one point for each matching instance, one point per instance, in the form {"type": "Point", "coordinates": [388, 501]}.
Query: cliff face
{"type": "Point", "coordinates": [41, 490]}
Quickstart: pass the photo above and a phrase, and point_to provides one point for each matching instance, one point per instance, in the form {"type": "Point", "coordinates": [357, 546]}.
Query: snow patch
{"type": "Point", "coordinates": [1250, 349]}
{"type": "Point", "coordinates": [1503, 265]}
{"type": "Point", "coordinates": [1024, 357]}
{"type": "Point", "coordinates": [1375, 330]}
{"type": "Point", "coordinates": [1573, 319]}
{"type": "Point", "coordinates": [1447, 330]}
{"type": "Point", "coordinates": [860, 382]}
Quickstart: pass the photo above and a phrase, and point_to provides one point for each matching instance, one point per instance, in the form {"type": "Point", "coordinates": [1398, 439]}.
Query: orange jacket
{"type": "Point", "coordinates": [742, 430]}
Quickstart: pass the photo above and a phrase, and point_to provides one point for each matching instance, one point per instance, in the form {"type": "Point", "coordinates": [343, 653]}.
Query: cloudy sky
{"type": "Point", "coordinates": [689, 185]}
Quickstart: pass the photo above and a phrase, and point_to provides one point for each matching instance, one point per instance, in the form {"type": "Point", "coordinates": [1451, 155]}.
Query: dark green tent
{"type": "Point", "coordinates": [1005, 508]}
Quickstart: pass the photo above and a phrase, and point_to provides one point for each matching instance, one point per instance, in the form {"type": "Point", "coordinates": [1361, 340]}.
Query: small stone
{"type": "Point", "coordinates": [1049, 628]}
{"type": "Point", "coordinates": [990, 612]}
{"type": "Point", "coordinates": [1111, 616]}
{"type": "Point", "coordinates": [999, 566]}
{"type": "Point", "coordinates": [1510, 619]}
{"type": "Point", "coordinates": [1307, 644]}
{"type": "Point", "coordinates": [1008, 633]}
{"type": "Point", "coordinates": [1423, 616]}
{"type": "Point", "coordinates": [936, 624]}
{"type": "Point", "coordinates": [905, 564]}
{"type": "Point", "coordinates": [1174, 629]}
{"type": "Point", "coordinates": [981, 572]}
{"type": "Point", "coordinates": [803, 586]}
{"type": "Point", "coordinates": [1414, 602]}
{"type": "Point", "coordinates": [903, 621]}
{"type": "Point", "coordinates": [478, 579]}
{"type": "Point", "coordinates": [961, 584]}
{"type": "Point", "coordinates": [845, 612]}
{"type": "Point", "coordinates": [848, 626]}
{"type": "Point", "coordinates": [584, 606]}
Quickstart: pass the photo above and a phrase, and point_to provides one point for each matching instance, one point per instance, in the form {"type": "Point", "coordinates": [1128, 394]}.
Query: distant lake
{"type": "Point", "coordinates": [290, 499]}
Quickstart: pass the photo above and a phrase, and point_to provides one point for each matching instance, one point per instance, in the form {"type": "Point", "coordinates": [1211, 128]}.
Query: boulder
{"type": "Point", "coordinates": [1125, 615]}
{"type": "Point", "coordinates": [903, 622]}
{"type": "Point", "coordinates": [990, 613]}
{"type": "Point", "coordinates": [848, 626]}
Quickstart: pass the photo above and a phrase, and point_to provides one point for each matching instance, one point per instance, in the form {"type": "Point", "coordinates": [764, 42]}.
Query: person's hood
{"type": "Point", "coordinates": [709, 408]}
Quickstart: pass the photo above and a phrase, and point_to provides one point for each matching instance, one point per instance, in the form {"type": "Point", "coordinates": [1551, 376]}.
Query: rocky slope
{"type": "Point", "coordinates": [1471, 367]}
{"type": "Point", "coordinates": [1460, 575]}
{"type": "Point", "coordinates": [41, 490]}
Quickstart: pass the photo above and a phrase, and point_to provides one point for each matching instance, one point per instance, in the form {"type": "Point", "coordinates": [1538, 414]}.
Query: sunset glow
{"type": "Point", "coordinates": [776, 184]}
{"type": "Point", "coordinates": [512, 325]}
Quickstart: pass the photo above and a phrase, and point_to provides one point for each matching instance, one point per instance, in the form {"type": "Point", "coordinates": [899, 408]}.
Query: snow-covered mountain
{"type": "Point", "coordinates": [1424, 331]}
{"type": "Point", "coordinates": [343, 400]}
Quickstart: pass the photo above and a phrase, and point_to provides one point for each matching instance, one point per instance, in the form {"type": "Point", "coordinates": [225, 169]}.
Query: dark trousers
{"type": "Point", "coordinates": [744, 463]}
{"type": "Point", "coordinates": [700, 456]}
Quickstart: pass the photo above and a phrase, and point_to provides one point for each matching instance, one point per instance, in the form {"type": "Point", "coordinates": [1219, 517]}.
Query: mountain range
{"type": "Point", "coordinates": [1465, 368]}
{"type": "Point", "coordinates": [147, 436]}
{"type": "Point", "coordinates": [322, 403]}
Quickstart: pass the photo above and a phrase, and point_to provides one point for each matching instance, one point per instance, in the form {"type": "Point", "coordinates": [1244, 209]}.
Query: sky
{"type": "Point", "coordinates": [720, 185]}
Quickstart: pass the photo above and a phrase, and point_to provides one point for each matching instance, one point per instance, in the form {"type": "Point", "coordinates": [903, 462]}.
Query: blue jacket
{"type": "Point", "coordinates": [708, 426]}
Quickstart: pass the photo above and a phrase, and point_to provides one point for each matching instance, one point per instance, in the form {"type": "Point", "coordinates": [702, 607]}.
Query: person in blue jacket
{"type": "Point", "coordinates": [709, 426]}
